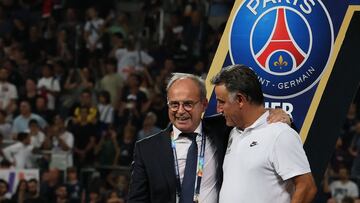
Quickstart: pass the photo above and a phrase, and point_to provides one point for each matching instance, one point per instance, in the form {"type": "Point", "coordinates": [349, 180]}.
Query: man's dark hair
{"type": "Point", "coordinates": [22, 136]}
{"type": "Point", "coordinates": [240, 79]}
{"type": "Point", "coordinates": [5, 183]}
{"type": "Point", "coordinates": [33, 180]}
{"type": "Point", "coordinates": [33, 121]}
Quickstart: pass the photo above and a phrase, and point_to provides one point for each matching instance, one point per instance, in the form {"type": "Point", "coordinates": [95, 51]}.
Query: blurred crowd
{"type": "Point", "coordinates": [342, 177]}
{"type": "Point", "coordinates": [82, 81]}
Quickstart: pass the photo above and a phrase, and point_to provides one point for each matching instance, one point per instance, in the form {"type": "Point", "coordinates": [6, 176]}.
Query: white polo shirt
{"type": "Point", "coordinates": [259, 162]}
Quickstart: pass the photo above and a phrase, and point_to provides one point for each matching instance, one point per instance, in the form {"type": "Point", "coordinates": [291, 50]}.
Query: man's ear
{"type": "Point", "coordinates": [241, 99]}
{"type": "Point", "coordinates": [205, 102]}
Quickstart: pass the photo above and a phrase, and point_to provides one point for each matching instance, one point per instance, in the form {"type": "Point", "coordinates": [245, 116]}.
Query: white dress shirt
{"type": "Point", "coordinates": [208, 191]}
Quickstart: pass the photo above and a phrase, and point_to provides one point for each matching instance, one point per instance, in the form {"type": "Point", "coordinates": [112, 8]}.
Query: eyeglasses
{"type": "Point", "coordinates": [187, 105]}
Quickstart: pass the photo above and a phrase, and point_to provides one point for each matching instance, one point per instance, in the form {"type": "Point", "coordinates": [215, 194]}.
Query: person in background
{"type": "Point", "coordinates": [149, 127]}
{"type": "Point", "coordinates": [19, 153]}
{"type": "Point", "coordinates": [21, 122]}
{"type": "Point", "coordinates": [63, 140]}
{"type": "Point", "coordinates": [112, 81]}
{"type": "Point", "coordinates": [4, 192]}
{"type": "Point", "coordinates": [343, 187]}
{"type": "Point", "coordinates": [127, 145]}
{"type": "Point", "coordinates": [108, 150]}
{"type": "Point", "coordinates": [85, 134]}
{"type": "Point", "coordinates": [36, 135]}
{"type": "Point", "coordinates": [5, 127]}
{"type": "Point", "coordinates": [61, 194]}
{"type": "Point", "coordinates": [48, 86]}
{"type": "Point", "coordinates": [8, 93]}
{"type": "Point", "coordinates": [33, 194]}
{"type": "Point", "coordinates": [73, 186]}
{"type": "Point", "coordinates": [21, 192]}
{"type": "Point", "coordinates": [106, 111]}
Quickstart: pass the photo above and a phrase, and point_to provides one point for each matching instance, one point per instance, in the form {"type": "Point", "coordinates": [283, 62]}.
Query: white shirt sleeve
{"type": "Point", "coordinates": [55, 86]}
{"type": "Point", "coordinates": [146, 58]}
{"type": "Point", "coordinates": [288, 157]}
{"type": "Point", "coordinates": [11, 150]}
{"type": "Point", "coordinates": [13, 92]}
{"type": "Point", "coordinates": [353, 191]}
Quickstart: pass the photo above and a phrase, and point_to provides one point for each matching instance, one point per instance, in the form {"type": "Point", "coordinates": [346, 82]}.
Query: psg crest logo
{"type": "Point", "coordinates": [287, 42]}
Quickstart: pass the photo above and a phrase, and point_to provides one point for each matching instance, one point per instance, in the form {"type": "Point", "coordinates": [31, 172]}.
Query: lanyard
{"type": "Point", "coordinates": [200, 168]}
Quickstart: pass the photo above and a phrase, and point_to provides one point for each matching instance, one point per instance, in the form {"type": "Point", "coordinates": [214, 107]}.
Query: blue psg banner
{"type": "Point", "coordinates": [293, 45]}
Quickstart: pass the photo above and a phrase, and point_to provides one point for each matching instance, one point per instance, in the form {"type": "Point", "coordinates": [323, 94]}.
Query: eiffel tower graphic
{"type": "Point", "coordinates": [280, 39]}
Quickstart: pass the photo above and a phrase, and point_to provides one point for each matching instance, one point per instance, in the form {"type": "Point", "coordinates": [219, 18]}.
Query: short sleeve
{"type": "Point", "coordinates": [288, 156]}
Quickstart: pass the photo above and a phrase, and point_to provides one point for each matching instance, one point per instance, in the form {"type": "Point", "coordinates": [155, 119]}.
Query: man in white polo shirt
{"type": "Point", "coordinates": [263, 162]}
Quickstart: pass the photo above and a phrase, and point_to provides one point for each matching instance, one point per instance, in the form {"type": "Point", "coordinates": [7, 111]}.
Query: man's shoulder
{"type": "Point", "coordinates": [217, 119]}
{"type": "Point", "coordinates": [152, 138]}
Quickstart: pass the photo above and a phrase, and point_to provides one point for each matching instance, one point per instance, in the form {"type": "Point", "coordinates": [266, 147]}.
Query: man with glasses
{"type": "Point", "coordinates": [182, 163]}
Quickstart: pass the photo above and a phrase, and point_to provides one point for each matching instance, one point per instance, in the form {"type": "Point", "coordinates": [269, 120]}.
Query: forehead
{"type": "Point", "coordinates": [184, 89]}
{"type": "Point", "coordinates": [221, 92]}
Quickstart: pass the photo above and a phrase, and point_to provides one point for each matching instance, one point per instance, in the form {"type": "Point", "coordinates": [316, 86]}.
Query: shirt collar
{"type": "Point", "coordinates": [260, 121]}
{"type": "Point", "coordinates": [176, 132]}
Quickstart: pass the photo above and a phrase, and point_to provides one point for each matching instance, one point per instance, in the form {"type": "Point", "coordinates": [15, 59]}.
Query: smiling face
{"type": "Point", "coordinates": [186, 90]}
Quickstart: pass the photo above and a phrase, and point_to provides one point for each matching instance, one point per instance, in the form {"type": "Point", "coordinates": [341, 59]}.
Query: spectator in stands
{"type": "Point", "coordinates": [94, 196]}
{"type": "Point", "coordinates": [132, 59]}
{"type": "Point", "coordinates": [61, 194]}
{"type": "Point", "coordinates": [5, 127]}
{"type": "Point", "coordinates": [134, 100]}
{"type": "Point", "coordinates": [108, 150]}
{"type": "Point", "coordinates": [127, 145]}
{"type": "Point", "coordinates": [4, 192]}
{"type": "Point", "coordinates": [77, 81]}
{"type": "Point", "coordinates": [73, 186]}
{"type": "Point", "coordinates": [37, 137]}
{"type": "Point", "coordinates": [355, 151]}
{"type": "Point", "coordinates": [196, 33]}
{"type": "Point", "coordinates": [106, 111]}
{"type": "Point", "coordinates": [112, 82]}
{"type": "Point", "coordinates": [50, 181]}
{"type": "Point", "coordinates": [149, 127]}
{"type": "Point", "coordinates": [21, 192]}
{"type": "Point", "coordinates": [349, 125]}
{"type": "Point", "coordinates": [85, 134]}
{"type": "Point", "coordinates": [33, 194]}
{"type": "Point", "coordinates": [343, 187]}
{"type": "Point", "coordinates": [117, 43]}
{"type": "Point", "coordinates": [94, 27]}
{"type": "Point", "coordinates": [63, 140]}
{"type": "Point", "coordinates": [48, 86]}
{"type": "Point", "coordinates": [42, 109]}
{"type": "Point", "coordinates": [8, 92]}
{"type": "Point", "coordinates": [114, 198]}
{"type": "Point", "coordinates": [340, 158]}
{"type": "Point", "coordinates": [34, 46]}
{"type": "Point", "coordinates": [19, 153]}
{"type": "Point", "coordinates": [63, 46]}
{"type": "Point", "coordinates": [30, 93]}
{"type": "Point", "coordinates": [1, 148]}
{"type": "Point", "coordinates": [121, 183]}
{"type": "Point", "coordinates": [86, 102]}
{"type": "Point", "coordinates": [13, 65]}
{"type": "Point", "coordinates": [21, 122]}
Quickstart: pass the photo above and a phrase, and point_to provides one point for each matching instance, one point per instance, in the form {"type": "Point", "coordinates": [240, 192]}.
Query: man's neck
{"type": "Point", "coordinates": [252, 113]}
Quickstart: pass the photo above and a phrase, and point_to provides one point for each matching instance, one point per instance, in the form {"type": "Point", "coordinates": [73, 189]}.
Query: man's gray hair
{"type": "Point", "coordinates": [198, 80]}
